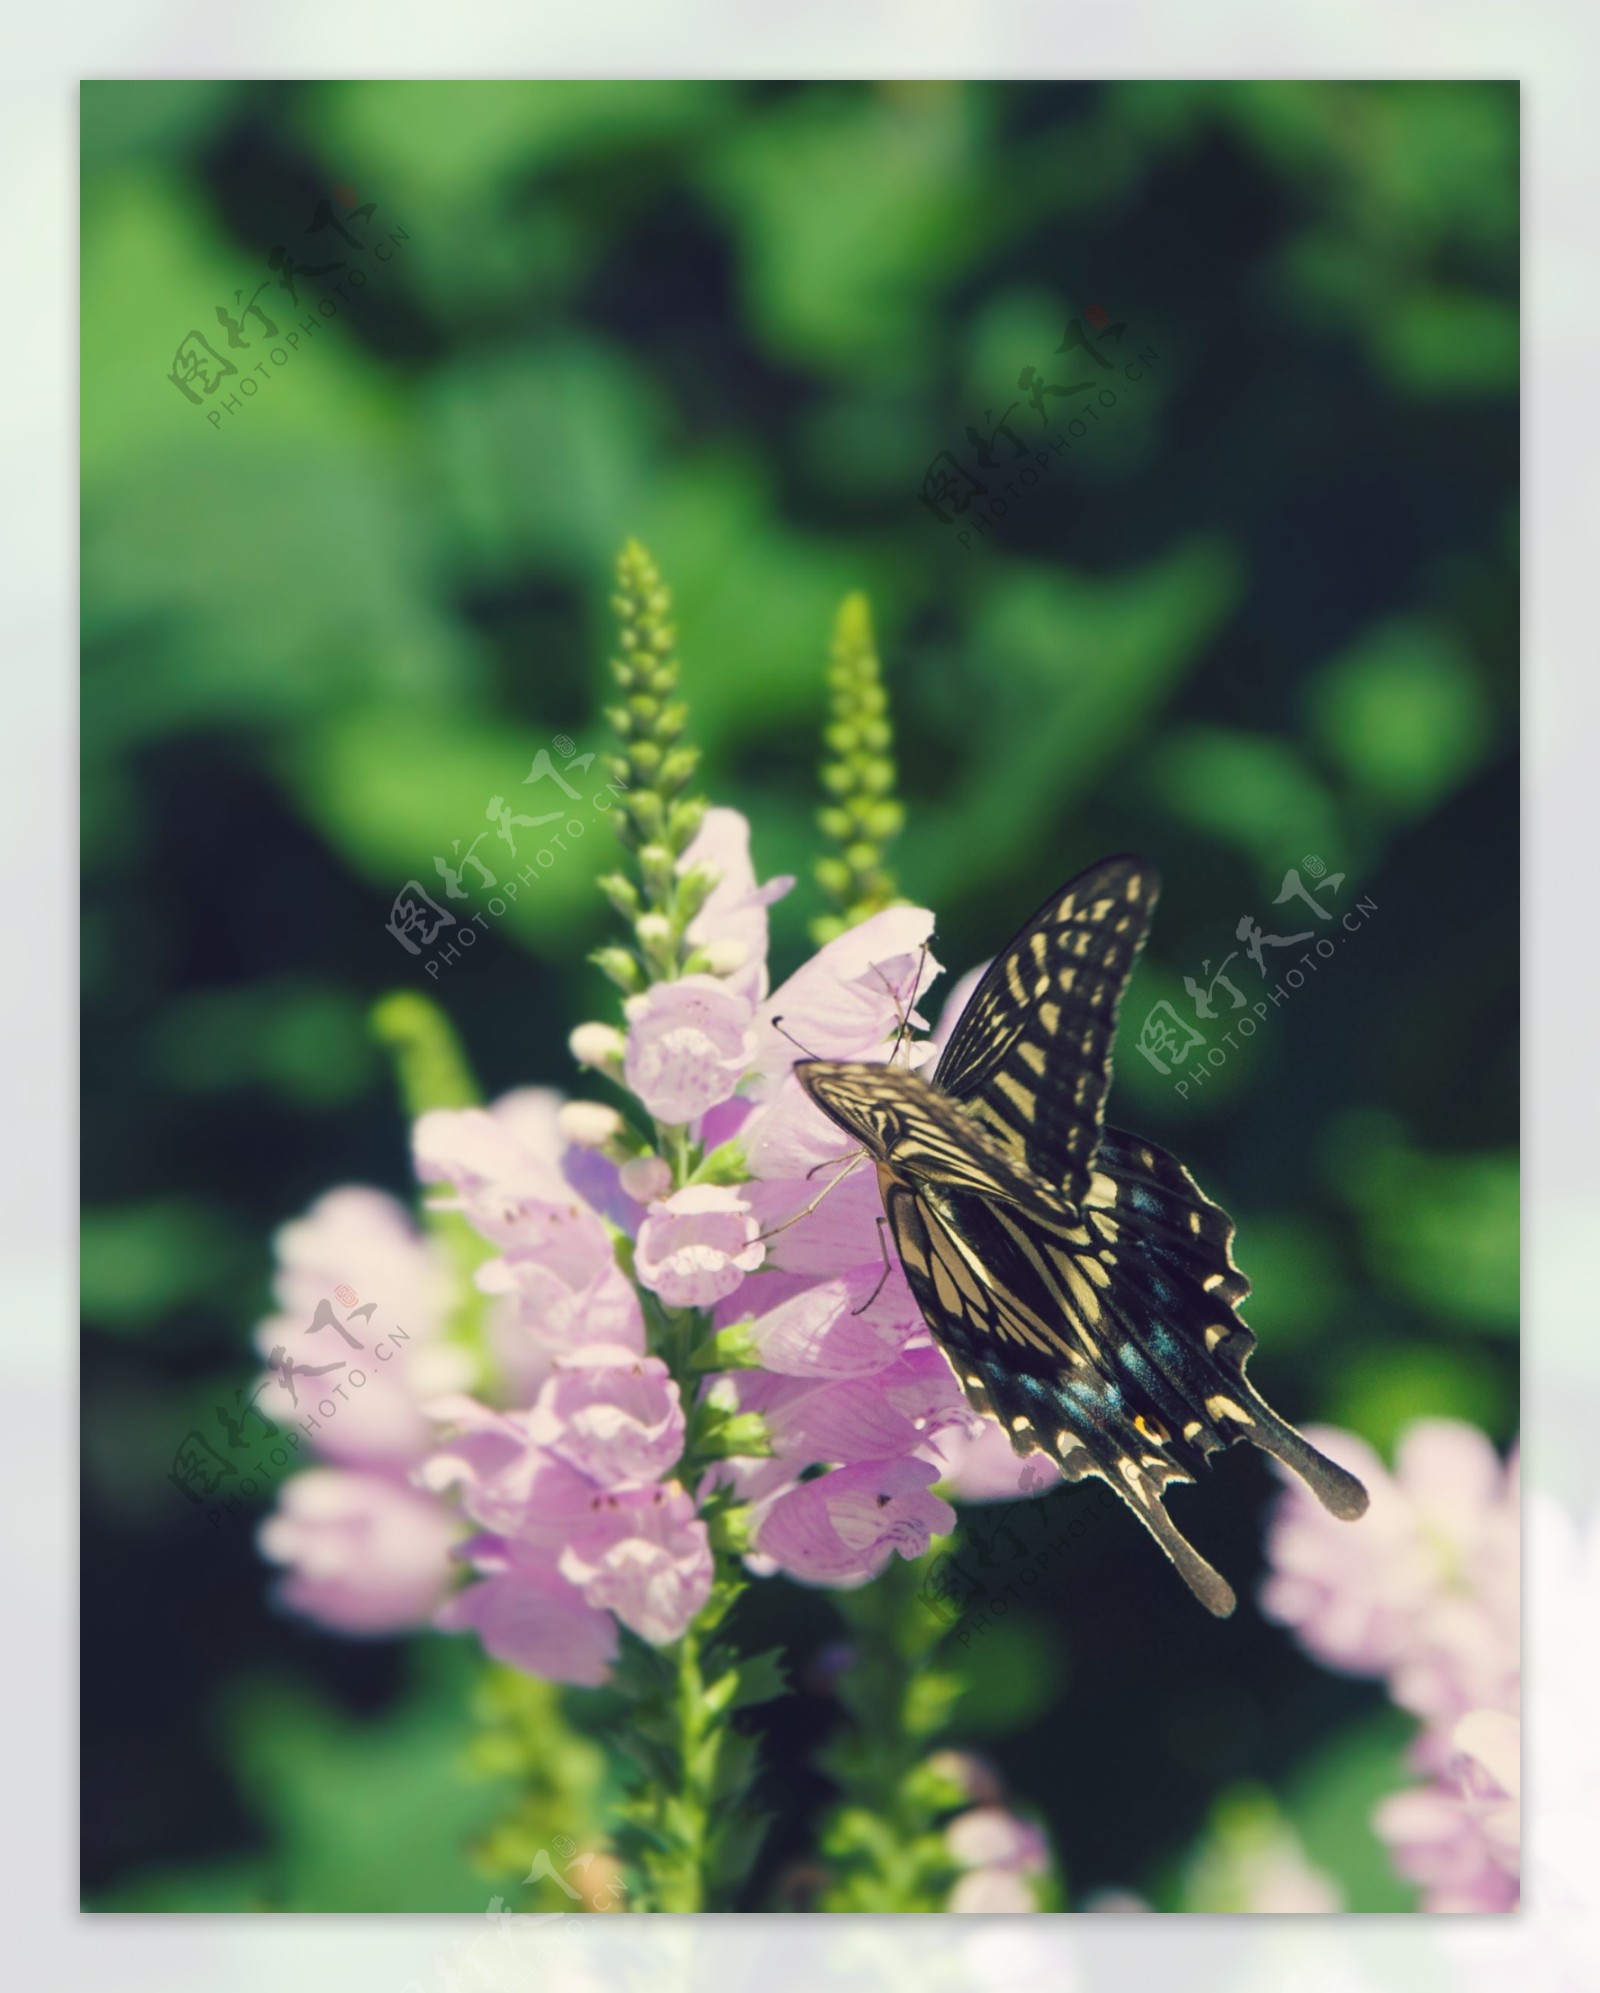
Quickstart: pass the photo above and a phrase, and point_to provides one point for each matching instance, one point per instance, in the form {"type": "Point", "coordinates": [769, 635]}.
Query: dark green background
{"type": "Point", "coordinates": [1267, 608]}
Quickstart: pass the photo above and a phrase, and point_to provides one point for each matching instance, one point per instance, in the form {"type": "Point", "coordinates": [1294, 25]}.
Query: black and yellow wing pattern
{"type": "Point", "coordinates": [1080, 1283]}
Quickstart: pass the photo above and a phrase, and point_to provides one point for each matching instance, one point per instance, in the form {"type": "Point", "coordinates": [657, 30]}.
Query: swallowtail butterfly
{"type": "Point", "coordinates": [1080, 1283]}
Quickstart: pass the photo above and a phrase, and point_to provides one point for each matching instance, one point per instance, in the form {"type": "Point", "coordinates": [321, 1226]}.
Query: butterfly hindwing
{"type": "Point", "coordinates": [1030, 1058]}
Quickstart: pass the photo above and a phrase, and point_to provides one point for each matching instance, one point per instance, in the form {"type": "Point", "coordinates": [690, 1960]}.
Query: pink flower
{"type": "Point", "coordinates": [556, 1313]}
{"type": "Point", "coordinates": [977, 1464]}
{"type": "Point", "coordinates": [844, 1419]}
{"type": "Point", "coordinates": [812, 1328]}
{"type": "Point", "coordinates": [733, 920]}
{"type": "Point", "coordinates": [992, 1892]}
{"type": "Point", "coordinates": [365, 1555]}
{"type": "Point", "coordinates": [492, 1157]}
{"type": "Point", "coordinates": [990, 1837]}
{"type": "Point", "coordinates": [557, 1282]}
{"type": "Point", "coordinates": [689, 1045]}
{"type": "Point", "coordinates": [643, 1554]}
{"type": "Point", "coordinates": [1460, 1838]}
{"type": "Point", "coordinates": [697, 1246]}
{"type": "Point", "coordinates": [529, 1617]}
{"type": "Point", "coordinates": [847, 1002]}
{"type": "Point", "coordinates": [1424, 1588]}
{"type": "Point", "coordinates": [1000, 1851]}
{"type": "Point", "coordinates": [506, 1482]}
{"type": "Point", "coordinates": [363, 1242]}
{"type": "Point", "coordinates": [842, 1528]}
{"type": "Point", "coordinates": [614, 1415]}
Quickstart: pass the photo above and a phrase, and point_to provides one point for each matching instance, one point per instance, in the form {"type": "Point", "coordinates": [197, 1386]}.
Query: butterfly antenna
{"type": "Point", "coordinates": [902, 1011]}
{"type": "Point", "coordinates": [777, 1025]}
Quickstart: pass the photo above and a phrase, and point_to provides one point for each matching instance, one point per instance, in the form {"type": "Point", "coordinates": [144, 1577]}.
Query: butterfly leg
{"type": "Point", "coordinates": [887, 1270]}
{"type": "Point", "coordinates": [903, 1013]}
{"type": "Point", "coordinates": [806, 1211]}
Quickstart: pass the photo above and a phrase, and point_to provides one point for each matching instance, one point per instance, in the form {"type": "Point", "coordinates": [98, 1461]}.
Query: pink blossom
{"type": "Point", "coordinates": [1460, 1837]}
{"type": "Point", "coordinates": [643, 1554]}
{"type": "Point", "coordinates": [848, 1001]}
{"type": "Point", "coordinates": [360, 1240]}
{"type": "Point", "coordinates": [529, 1617]}
{"type": "Point", "coordinates": [734, 916]}
{"type": "Point", "coordinates": [501, 1478]}
{"type": "Point", "coordinates": [843, 1419]}
{"type": "Point", "coordinates": [689, 1045]}
{"type": "Point", "coordinates": [991, 1837]}
{"type": "Point", "coordinates": [842, 1528]}
{"type": "Point", "coordinates": [558, 1284]}
{"type": "Point", "coordinates": [992, 1892]}
{"type": "Point", "coordinates": [364, 1554]}
{"type": "Point", "coordinates": [1424, 1588]}
{"type": "Point", "coordinates": [811, 1327]}
{"type": "Point", "coordinates": [977, 1464]}
{"type": "Point", "coordinates": [696, 1246]}
{"type": "Point", "coordinates": [1000, 1851]}
{"type": "Point", "coordinates": [614, 1415]}
{"type": "Point", "coordinates": [839, 1235]}
{"type": "Point", "coordinates": [492, 1157]}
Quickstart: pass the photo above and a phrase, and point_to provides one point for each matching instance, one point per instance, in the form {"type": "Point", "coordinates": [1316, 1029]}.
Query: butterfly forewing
{"type": "Point", "coordinates": [1030, 1058]}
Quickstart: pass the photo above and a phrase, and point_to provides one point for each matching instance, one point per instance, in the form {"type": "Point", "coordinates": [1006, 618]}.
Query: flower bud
{"type": "Point", "coordinates": [588, 1124]}
{"type": "Point", "coordinates": [620, 967]}
{"type": "Point", "coordinates": [645, 1178]}
{"type": "Point", "coordinates": [725, 958]}
{"type": "Point", "coordinates": [597, 1045]}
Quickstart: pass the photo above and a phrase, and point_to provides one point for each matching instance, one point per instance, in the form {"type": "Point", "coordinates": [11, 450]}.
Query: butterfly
{"type": "Point", "coordinates": [1080, 1283]}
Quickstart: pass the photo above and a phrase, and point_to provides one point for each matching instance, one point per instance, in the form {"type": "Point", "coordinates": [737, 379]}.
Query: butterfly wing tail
{"type": "Point", "coordinates": [1208, 1585]}
{"type": "Point", "coordinates": [1142, 1492]}
{"type": "Point", "coordinates": [1339, 1492]}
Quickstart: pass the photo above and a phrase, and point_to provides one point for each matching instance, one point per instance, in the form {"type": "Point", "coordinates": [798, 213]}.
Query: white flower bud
{"type": "Point", "coordinates": [596, 1044]}
{"type": "Point", "coordinates": [645, 1178]}
{"type": "Point", "coordinates": [724, 958]}
{"type": "Point", "coordinates": [587, 1124]}
{"type": "Point", "coordinates": [654, 929]}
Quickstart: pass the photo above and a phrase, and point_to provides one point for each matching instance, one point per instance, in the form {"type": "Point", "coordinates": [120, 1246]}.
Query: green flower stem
{"type": "Point", "coordinates": [523, 1735]}
{"type": "Point", "coordinates": [858, 774]}
{"type": "Point", "coordinates": [882, 1843]}
{"type": "Point", "coordinates": [688, 1830]}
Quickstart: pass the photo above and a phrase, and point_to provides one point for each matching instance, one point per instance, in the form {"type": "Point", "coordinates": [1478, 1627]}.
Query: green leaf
{"type": "Point", "coordinates": [727, 1163]}
{"type": "Point", "coordinates": [760, 1678]}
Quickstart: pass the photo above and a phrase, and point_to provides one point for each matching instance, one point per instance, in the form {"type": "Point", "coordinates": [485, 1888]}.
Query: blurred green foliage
{"type": "Point", "coordinates": [1266, 609]}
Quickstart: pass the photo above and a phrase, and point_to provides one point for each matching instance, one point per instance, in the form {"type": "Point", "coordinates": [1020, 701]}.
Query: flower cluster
{"type": "Point", "coordinates": [709, 1320]}
{"type": "Point", "coordinates": [1425, 1593]}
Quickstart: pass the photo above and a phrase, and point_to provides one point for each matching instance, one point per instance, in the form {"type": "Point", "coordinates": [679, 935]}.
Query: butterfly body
{"type": "Point", "coordinates": [1079, 1282]}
